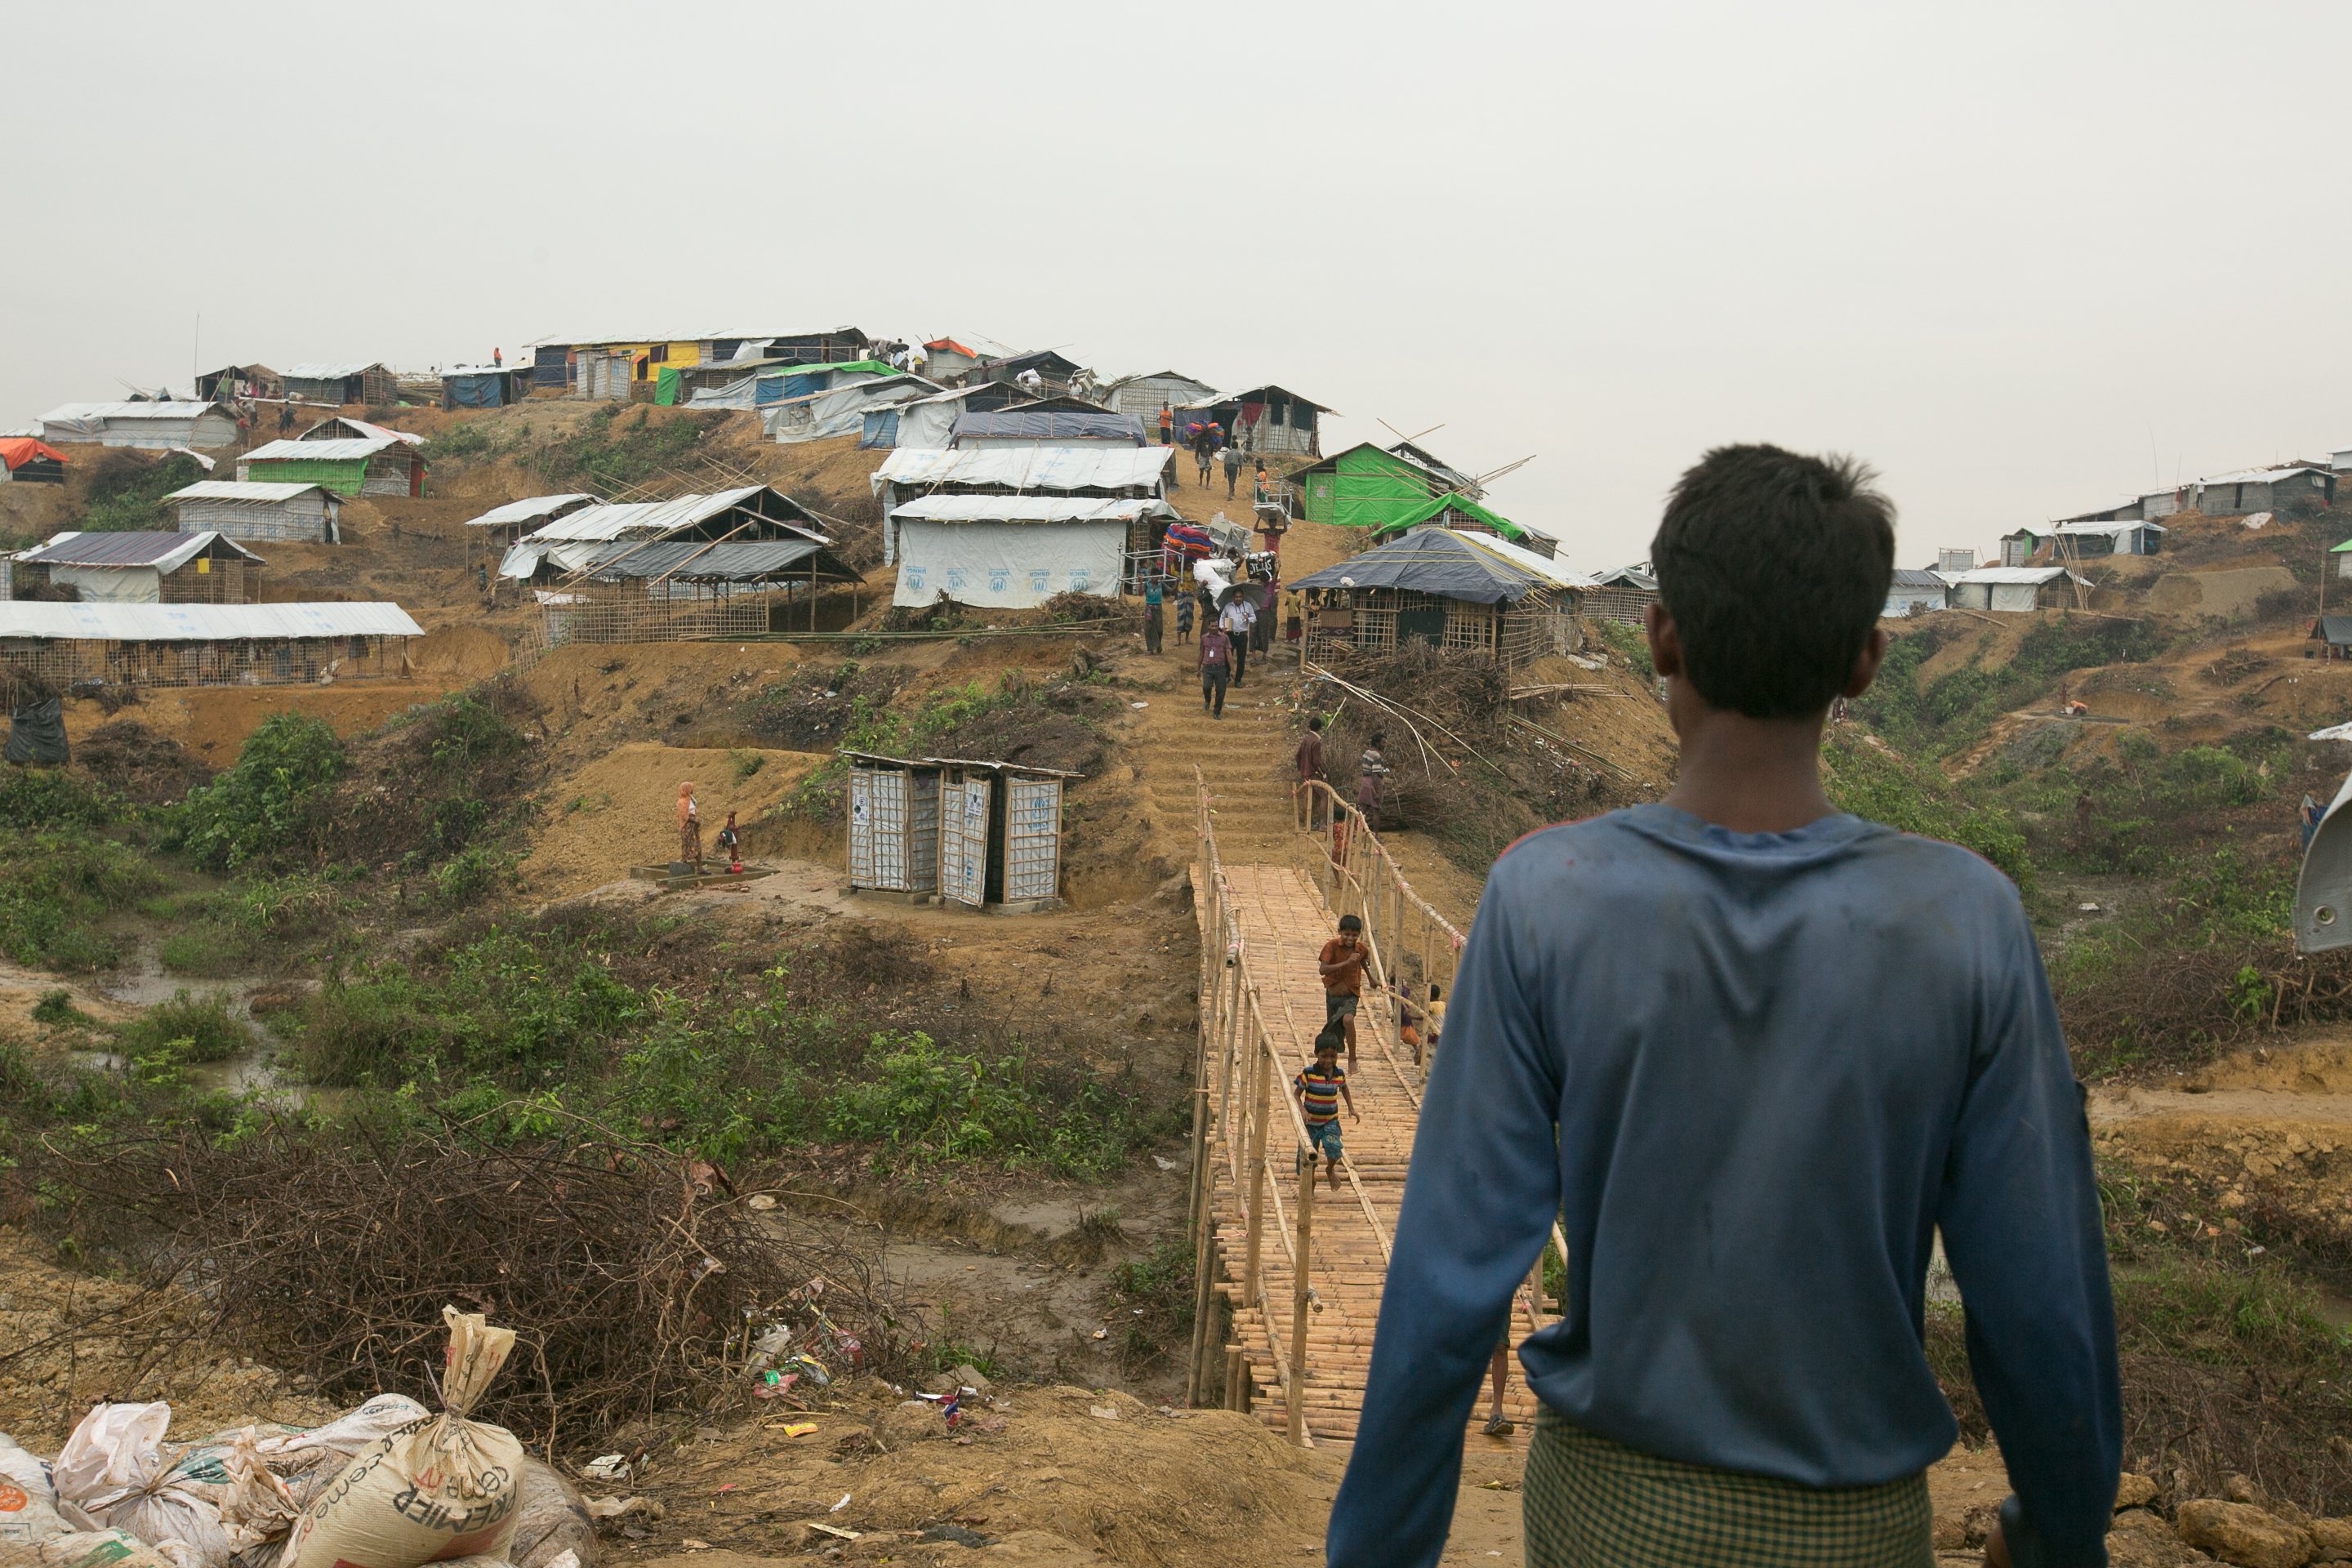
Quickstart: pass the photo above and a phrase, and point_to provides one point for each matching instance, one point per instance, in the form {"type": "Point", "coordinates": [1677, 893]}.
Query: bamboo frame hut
{"type": "Point", "coordinates": [205, 644]}
{"type": "Point", "coordinates": [1460, 593]}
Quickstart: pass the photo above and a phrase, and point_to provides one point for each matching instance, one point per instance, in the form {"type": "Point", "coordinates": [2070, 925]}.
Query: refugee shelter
{"type": "Point", "coordinates": [930, 421]}
{"type": "Point", "coordinates": [245, 381]}
{"type": "Point", "coordinates": [1052, 370]}
{"type": "Point", "coordinates": [291, 512]}
{"type": "Point", "coordinates": [2082, 541]}
{"type": "Point", "coordinates": [2146, 507]}
{"type": "Point", "coordinates": [1015, 428]}
{"type": "Point", "coordinates": [956, 830]}
{"type": "Point", "coordinates": [1372, 486]}
{"type": "Point", "coordinates": [2335, 633]}
{"type": "Point", "coordinates": [343, 429]}
{"type": "Point", "coordinates": [676, 590]}
{"type": "Point", "coordinates": [2262, 489]}
{"type": "Point", "coordinates": [27, 460]}
{"type": "Point", "coordinates": [1263, 419]}
{"type": "Point", "coordinates": [1013, 552]}
{"type": "Point", "coordinates": [1452, 591]}
{"type": "Point", "coordinates": [569, 542]}
{"type": "Point", "coordinates": [840, 410]}
{"type": "Point", "coordinates": [1145, 396]}
{"type": "Point", "coordinates": [948, 361]}
{"type": "Point", "coordinates": [339, 384]}
{"type": "Point", "coordinates": [158, 426]}
{"type": "Point", "coordinates": [1915, 593]}
{"type": "Point", "coordinates": [502, 525]}
{"type": "Point", "coordinates": [387, 465]}
{"type": "Point", "coordinates": [2015, 589]}
{"type": "Point", "coordinates": [205, 644]}
{"type": "Point", "coordinates": [1101, 471]}
{"type": "Point", "coordinates": [1466, 516]}
{"type": "Point", "coordinates": [142, 568]}
{"type": "Point", "coordinates": [1624, 595]}
{"type": "Point", "coordinates": [484, 386]}
{"type": "Point", "coordinates": [2343, 553]}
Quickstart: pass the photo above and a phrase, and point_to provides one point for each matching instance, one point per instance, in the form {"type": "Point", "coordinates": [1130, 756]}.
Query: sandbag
{"type": "Point", "coordinates": [37, 734]}
{"type": "Point", "coordinates": [113, 1467]}
{"type": "Point", "coordinates": [89, 1549]}
{"type": "Point", "coordinates": [28, 1498]}
{"type": "Point", "coordinates": [551, 1518]}
{"type": "Point", "coordinates": [308, 1462]}
{"type": "Point", "coordinates": [435, 1489]}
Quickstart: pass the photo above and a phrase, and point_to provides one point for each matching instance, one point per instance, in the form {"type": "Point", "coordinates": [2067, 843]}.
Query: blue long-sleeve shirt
{"type": "Point", "coordinates": [1776, 1064]}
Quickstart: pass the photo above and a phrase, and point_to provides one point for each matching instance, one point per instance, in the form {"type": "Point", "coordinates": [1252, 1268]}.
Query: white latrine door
{"type": "Point", "coordinates": [963, 841]}
{"type": "Point", "coordinates": [877, 830]}
{"type": "Point", "coordinates": [1033, 837]}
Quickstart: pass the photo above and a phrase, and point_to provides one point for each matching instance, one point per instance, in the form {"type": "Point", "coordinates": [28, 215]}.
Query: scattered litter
{"type": "Point", "coordinates": [844, 1503]}
{"type": "Point", "coordinates": [1103, 1411]}
{"type": "Point", "coordinates": [2088, 909]}
{"type": "Point", "coordinates": [1163, 1162]}
{"type": "Point", "coordinates": [621, 1507]}
{"type": "Point", "coordinates": [761, 1202]}
{"type": "Point", "coordinates": [724, 1489]}
{"type": "Point", "coordinates": [1138, 705]}
{"type": "Point", "coordinates": [800, 1429]}
{"type": "Point", "coordinates": [691, 1544]}
{"type": "Point", "coordinates": [836, 1531]}
{"type": "Point", "coordinates": [28, 1502]}
{"type": "Point", "coordinates": [2333, 732]}
{"type": "Point", "coordinates": [1102, 1333]}
{"type": "Point", "coordinates": [607, 1468]}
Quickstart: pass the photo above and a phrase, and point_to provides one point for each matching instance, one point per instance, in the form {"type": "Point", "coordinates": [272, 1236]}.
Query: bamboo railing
{"type": "Point", "coordinates": [1241, 1072]}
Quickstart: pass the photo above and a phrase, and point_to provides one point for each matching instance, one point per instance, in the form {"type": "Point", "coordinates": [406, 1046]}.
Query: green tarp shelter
{"type": "Point", "coordinates": [345, 476]}
{"type": "Point", "coordinates": [665, 387]}
{"type": "Point", "coordinates": [1433, 508]}
{"type": "Point", "coordinates": [1372, 486]}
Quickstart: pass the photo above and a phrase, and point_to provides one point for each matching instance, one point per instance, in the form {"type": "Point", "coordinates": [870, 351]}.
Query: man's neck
{"type": "Point", "coordinates": [1747, 775]}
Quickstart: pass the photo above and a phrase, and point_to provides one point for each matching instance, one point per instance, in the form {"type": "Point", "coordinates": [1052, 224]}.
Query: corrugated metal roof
{"type": "Point", "coordinates": [364, 427]}
{"type": "Point", "coordinates": [1257, 394]}
{"type": "Point", "coordinates": [1005, 423]}
{"type": "Point", "coordinates": [239, 489]}
{"type": "Point", "coordinates": [1525, 560]}
{"type": "Point", "coordinates": [449, 370]}
{"type": "Point", "coordinates": [1905, 577]}
{"type": "Point", "coordinates": [1031, 508]}
{"type": "Point", "coordinates": [686, 561]}
{"type": "Point", "coordinates": [164, 551]}
{"type": "Point", "coordinates": [64, 412]}
{"type": "Point", "coordinates": [529, 510]}
{"type": "Point", "coordinates": [2258, 476]}
{"type": "Point", "coordinates": [329, 452]}
{"type": "Point", "coordinates": [1029, 467]}
{"type": "Point", "coordinates": [329, 372]}
{"type": "Point", "coordinates": [202, 623]}
{"type": "Point", "coordinates": [653, 518]}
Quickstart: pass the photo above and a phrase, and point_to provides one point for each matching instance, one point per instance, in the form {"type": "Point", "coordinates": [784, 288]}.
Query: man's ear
{"type": "Point", "coordinates": [1866, 662]}
{"type": "Point", "coordinates": [1665, 642]}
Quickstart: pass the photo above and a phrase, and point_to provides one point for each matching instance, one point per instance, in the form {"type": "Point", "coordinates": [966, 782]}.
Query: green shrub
{"type": "Point", "coordinates": [127, 491]}
{"type": "Point", "coordinates": [269, 803]}
{"type": "Point", "coordinates": [200, 1028]}
{"type": "Point", "coordinates": [1879, 784]}
{"type": "Point", "coordinates": [55, 888]}
{"type": "Point", "coordinates": [56, 1008]}
{"type": "Point", "coordinates": [35, 798]}
{"type": "Point", "coordinates": [929, 1105]}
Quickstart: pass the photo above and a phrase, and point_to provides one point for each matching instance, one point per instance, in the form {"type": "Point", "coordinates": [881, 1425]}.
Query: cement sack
{"type": "Point", "coordinates": [551, 1518]}
{"type": "Point", "coordinates": [88, 1549]}
{"type": "Point", "coordinates": [113, 1469]}
{"type": "Point", "coordinates": [28, 1499]}
{"type": "Point", "coordinates": [431, 1491]}
{"type": "Point", "coordinates": [307, 1461]}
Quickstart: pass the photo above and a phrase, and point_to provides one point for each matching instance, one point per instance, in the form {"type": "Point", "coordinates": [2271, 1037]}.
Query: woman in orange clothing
{"type": "Point", "coordinates": [690, 828]}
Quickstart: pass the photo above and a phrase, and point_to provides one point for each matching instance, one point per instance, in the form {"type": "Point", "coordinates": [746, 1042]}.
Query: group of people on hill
{"type": "Point", "coordinates": [1213, 449]}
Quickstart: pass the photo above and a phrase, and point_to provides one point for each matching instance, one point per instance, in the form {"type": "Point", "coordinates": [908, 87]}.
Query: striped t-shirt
{"type": "Point", "coordinates": [1318, 1094]}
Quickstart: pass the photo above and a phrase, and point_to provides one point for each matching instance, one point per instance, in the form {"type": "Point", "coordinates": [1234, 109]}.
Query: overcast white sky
{"type": "Point", "coordinates": [2025, 258]}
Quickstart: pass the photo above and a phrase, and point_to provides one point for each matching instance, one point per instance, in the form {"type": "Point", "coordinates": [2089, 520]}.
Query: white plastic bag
{"type": "Point", "coordinates": [431, 1490]}
{"type": "Point", "coordinates": [28, 1499]}
{"type": "Point", "coordinates": [112, 1469]}
{"type": "Point", "coordinates": [92, 1549]}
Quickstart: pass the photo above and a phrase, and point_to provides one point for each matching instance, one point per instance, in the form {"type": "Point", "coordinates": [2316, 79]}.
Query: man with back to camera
{"type": "Point", "coordinates": [1754, 1052]}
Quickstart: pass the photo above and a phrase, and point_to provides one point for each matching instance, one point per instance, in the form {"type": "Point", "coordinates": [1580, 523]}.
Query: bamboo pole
{"type": "Point", "coordinates": [1257, 1169]}
{"type": "Point", "coordinates": [1298, 1294]}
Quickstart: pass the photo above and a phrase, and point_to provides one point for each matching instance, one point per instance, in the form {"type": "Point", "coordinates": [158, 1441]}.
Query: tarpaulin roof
{"type": "Point", "coordinates": [2335, 629]}
{"type": "Point", "coordinates": [239, 489]}
{"type": "Point", "coordinates": [1549, 570]}
{"type": "Point", "coordinates": [350, 450]}
{"type": "Point", "coordinates": [2262, 476]}
{"type": "Point", "coordinates": [1434, 561]}
{"type": "Point", "coordinates": [201, 623]}
{"type": "Point", "coordinates": [19, 451]}
{"type": "Point", "coordinates": [1029, 467]}
{"type": "Point", "coordinates": [1420, 512]}
{"type": "Point", "coordinates": [330, 371]}
{"type": "Point", "coordinates": [68, 413]}
{"type": "Point", "coordinates": [1258, 394]}
{"type": "Point", "coordinates": [972, 345]}
{"type": "Point", "coordinates": [1053, 424]}
{"type": "Point", "coordinates": [1639, 577]}
{"type": "Point", "coordinates": [2011, 574]}
{"type": "Point", "coordinates": [1031, 508]}
{"type": "Point", "coordinates": [1905, 577]}
{"type": "Point", "coordinates": [163, 552]}
{"type": "Point", "coordinates": [450, 369]}
{"type": "Point", "coordinates": [360, 428]}
{"type": "Point", "coordinates": [685, 560]}
{"type": "Point", "coordinates": [531, 509]}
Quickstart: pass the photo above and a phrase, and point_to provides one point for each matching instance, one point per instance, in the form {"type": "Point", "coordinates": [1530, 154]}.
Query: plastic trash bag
{"type": "Point", "coordinates": [37, 734]}
{"type": "Point", "coordinates": [28, 1498]}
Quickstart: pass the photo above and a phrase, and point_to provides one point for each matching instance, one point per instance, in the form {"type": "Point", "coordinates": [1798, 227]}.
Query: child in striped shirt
{"type": "Point", "coordinates": [1319, 1089]}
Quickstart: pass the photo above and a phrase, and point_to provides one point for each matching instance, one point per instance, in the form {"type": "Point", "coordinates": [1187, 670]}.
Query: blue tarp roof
{"type": "Point", "coordinates": [1063, 425]}
{"type": "Point", "coordinates": [1432, 561]}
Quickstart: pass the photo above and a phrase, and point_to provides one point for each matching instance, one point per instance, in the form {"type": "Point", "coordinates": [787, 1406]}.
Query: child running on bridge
{"type": "Point", "coordinates": [1754, 1054]}
{"type": "Point", "coordinates": [1319, 1089]}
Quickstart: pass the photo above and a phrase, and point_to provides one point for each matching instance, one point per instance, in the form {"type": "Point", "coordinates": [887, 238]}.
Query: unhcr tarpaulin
{"type": "Point", "coordinates": [1007, 565]}
{"type": "Point", "coordinates": [841, 411]}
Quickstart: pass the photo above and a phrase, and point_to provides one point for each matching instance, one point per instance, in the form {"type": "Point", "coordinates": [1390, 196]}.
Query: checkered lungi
{"type": "Point", "coordinates": [1593, 1503]}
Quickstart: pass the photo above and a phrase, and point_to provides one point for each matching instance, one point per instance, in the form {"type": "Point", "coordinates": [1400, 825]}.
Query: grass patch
{"type": "Point", "coordinates": [56, 1009]}
{"type": "Point", "coordinates": [57, 890]}
{"type": "Point", "coordinates": [194, 1029]}
{"type": "Point", "coordinates": [1877, 783]}
{"type": "Point", "coordinates": [127, 491]}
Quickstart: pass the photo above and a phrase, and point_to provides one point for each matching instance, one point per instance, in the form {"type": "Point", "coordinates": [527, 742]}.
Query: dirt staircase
{"type": "Point", "coordinates": [1244, 757]}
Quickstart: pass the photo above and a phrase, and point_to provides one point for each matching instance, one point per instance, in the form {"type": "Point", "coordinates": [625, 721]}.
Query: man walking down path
{"type": "Point", "coordinates": [1231, 457]}
{"type": "Point", "coordinates": [1152, 624]}
{"type": "Point", "coordinates": [1754, 1054]}
{"type": "Point", "coordinates": [1216, 668]}
{"type": "Point", "coordinates": [1238, 616]}
{"type": "Point", "coordinates": [1309, 760]}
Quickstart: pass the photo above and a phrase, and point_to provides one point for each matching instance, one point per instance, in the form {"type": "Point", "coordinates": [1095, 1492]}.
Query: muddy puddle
{"type": "Point", "coordinates": [255, 1069]}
